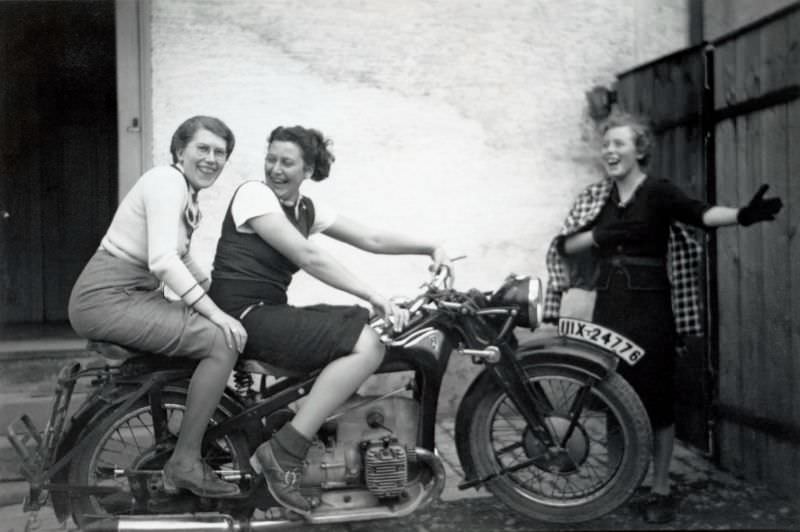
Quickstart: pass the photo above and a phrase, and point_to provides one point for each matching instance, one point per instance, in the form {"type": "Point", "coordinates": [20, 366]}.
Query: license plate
{"type": "Point", "coordinates": [602, 337]}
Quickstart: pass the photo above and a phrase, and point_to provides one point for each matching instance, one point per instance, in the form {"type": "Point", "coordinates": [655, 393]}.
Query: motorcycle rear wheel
{"type": "Point", "coordinates": [604, 459]}
{"type": "Point", "coordinates": [127, 441]}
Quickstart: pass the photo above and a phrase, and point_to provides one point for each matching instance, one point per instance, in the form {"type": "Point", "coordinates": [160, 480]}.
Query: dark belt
{"type": "Point", "coordinates": [627, 260]}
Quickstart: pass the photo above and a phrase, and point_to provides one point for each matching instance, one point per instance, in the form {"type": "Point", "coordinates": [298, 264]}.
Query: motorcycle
{"type": "Point", "coordinates": [547, 426]}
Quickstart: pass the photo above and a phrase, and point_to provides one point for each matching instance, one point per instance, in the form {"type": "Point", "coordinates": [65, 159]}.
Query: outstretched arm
{"type": "Point", "coordinates": [277, 231]}
{"type": "Point", "coordinates": [386, 242]}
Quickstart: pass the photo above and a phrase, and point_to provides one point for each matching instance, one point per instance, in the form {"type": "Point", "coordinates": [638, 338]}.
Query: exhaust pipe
{"type": "Point", "coordinates": [420, 497]}
{"type": "Point", "coordinates": [207, 522]}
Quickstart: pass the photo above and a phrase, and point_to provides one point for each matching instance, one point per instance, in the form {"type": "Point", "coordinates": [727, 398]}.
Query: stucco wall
{"type": "Point", "coordinates": [464, 121]}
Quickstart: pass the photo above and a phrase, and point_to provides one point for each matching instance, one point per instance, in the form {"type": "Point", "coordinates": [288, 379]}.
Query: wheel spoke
{"type": "Point", "coordinates": [576, 405]}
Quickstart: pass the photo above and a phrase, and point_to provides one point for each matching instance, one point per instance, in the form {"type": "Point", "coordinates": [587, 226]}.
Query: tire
{"type": "Point", "coordinates": [606, 457]}
{"type": "Point", "coordinates": [126, 441]}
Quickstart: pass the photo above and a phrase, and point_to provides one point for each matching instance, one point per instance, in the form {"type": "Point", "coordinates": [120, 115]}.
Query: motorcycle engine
{"type": "Point", "coordinates": [368, 443]}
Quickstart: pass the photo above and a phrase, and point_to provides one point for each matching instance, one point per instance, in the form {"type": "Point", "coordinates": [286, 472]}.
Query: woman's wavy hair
{"type": "Point", "coordinates": [314, 146]}
{"type": "Point", "coordinates": [183, 135]}
{"type": "Point", "coordinates": [642, 132]}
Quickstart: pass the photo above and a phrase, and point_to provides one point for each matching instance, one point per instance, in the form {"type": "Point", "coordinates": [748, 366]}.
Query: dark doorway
{"type": "Point", "coordinates": [58, 147]}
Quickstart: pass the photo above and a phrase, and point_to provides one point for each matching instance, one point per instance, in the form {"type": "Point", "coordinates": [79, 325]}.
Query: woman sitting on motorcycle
{"type": "Point", "coordinates": [264, 241]}
{"type": "Point", "coordinates": [118, 296]}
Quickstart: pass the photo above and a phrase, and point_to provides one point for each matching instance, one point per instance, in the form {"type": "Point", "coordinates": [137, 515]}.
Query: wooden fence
{"type": "Point", "coordinates": [727, 118]}
{"type": "Point", "coordinates": [757, 140]}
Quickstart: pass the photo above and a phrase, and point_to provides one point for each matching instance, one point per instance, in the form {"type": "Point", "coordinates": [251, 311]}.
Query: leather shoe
{"type": "Point", "coordinates": [659, 508]}
{"type": "Point", "coordinates": [283, 482]}
{"type": "Point", "coordinates": [200, 479]}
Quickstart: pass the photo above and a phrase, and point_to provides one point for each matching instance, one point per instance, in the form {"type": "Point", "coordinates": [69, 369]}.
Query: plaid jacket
{"type": "Point", "coordinates": [683, 259]}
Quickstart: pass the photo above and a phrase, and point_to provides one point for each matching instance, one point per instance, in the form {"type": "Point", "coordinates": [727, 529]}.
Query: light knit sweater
{"type": "Point", "coordinates": [148, 229]}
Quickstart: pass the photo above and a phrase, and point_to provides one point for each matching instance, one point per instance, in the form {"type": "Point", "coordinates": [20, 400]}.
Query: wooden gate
{"type": "Point", "coordinates": [757, 140]}
{"type": "Point", "coordinates": [727, 119]}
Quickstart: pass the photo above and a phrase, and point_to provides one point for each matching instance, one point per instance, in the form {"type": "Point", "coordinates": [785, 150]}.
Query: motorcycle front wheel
{"type": "Point", "coordinates": [128, 442]}
{"type": "Point", "coordinates": [603, 446]}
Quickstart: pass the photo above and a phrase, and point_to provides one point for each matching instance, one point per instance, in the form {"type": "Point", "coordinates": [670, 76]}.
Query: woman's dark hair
{"type": "Point", "coordinates": [183, 135]}
{"type": "Point", "coordinates": [642, 132]}
{"type": "Point", "coordinates": [313, 145]}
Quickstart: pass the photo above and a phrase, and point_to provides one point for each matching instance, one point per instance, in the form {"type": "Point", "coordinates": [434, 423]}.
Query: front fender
{"type": "Point", "coordinates": [549, 351]}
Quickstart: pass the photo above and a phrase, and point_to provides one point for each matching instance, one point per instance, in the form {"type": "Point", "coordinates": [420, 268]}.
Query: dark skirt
{"type": "Point", "coordinates": [645, 316]}
{"type": "Point", "coordinates": [302, 339]}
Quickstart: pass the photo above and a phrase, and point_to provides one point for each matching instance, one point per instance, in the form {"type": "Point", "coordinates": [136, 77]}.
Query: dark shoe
{"type": "Point", "coordinates": [658, 508]}
{"type": "Point", "coordinates": [283, 483]}
{"type": "Point", "coordinates": [200, 479]}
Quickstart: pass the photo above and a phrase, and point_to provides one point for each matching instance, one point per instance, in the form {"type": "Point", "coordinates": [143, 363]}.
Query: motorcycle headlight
{"type": "Point", "coordinates": [525, 293]}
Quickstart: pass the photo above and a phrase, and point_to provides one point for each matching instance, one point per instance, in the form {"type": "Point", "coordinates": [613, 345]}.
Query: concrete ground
{"type": "Point", "coordinates": [709, 499]}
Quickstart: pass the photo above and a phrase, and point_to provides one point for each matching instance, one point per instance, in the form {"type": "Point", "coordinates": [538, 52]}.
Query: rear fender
{"type": "Point", "coordinates": [548, 351]}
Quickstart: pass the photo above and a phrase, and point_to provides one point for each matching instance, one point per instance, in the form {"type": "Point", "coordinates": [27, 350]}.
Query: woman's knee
{"type": "Point", "coordinates": [369, 345]}
{"type": "Point", "coordinates": [220, 350]}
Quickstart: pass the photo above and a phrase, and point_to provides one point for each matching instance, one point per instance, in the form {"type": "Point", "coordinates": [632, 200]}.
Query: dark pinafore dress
{"type": "Point", "coordinates": [250, 280]}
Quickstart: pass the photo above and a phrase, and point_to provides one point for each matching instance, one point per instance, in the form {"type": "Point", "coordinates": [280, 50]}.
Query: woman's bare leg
{"type": "Point", "coordinates": [338, 381]}
{"type": "Point", "coordinates": [205, 390]}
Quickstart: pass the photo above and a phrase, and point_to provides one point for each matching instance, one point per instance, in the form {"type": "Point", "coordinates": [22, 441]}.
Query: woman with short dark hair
{"type": "Point", "coordinates": [264, 242]}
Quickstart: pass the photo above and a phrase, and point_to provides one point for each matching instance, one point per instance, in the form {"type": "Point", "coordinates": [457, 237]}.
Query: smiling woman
{"type": "Point", "coordinates": [118, 296]}
{"type": "Point", "coordinates": [643, 271]}
{"type": "Point", "coordinates": [264, 242]}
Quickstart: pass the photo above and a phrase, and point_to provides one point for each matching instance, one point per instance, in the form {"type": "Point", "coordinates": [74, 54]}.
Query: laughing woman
{"type": "Point", "coordinates": [264, 242]}
{"type": "Point", "coordinates": [626, 223]}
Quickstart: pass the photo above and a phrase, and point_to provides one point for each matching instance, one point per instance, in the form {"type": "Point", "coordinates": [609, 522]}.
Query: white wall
{"type": "Point", "coordinates": [460, 120]}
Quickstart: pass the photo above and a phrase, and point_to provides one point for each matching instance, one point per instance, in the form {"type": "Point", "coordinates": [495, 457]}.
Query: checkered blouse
{"type": "Point", "coordinates": [683, 259]}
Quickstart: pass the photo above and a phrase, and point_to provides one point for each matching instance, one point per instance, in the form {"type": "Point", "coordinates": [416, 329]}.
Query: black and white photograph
{"type": "Point", "coordinates": [419, 265]}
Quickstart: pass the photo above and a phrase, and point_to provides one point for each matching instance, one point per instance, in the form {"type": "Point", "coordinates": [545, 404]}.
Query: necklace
{"type": "Point", "coordinates": [622, 203]}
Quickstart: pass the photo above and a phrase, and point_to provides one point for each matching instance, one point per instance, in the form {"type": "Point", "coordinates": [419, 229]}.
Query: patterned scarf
{"type": "Point", "coordinates": [191, 213]}
{"type": "Point", "coordinates": [683, 259]}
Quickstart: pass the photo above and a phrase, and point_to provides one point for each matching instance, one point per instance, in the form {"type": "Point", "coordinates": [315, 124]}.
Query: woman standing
{"type": "Point", "coordinates": [264, 242]}
{"type": "Point", "coordinates": [119, 298]}
{"type": "Point", "coordinates": [626, 223]}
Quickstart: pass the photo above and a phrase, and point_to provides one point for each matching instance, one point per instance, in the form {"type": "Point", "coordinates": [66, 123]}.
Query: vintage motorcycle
{"type": "Point", "coordinates": [547, 426]}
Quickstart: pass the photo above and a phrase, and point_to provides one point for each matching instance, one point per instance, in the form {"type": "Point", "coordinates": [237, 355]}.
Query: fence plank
{"type": "Point", "coordinates": [749, 68]}
{"type": "Point", "coordinates": [792, 214]}
{"type": "Point", "coordinates": [732, 454]}
{"type": "Point", "coordinates": [725, 75]}
{"type": "Point", "coordinates": [774, 55]}
{"type": "Point", "coordinates": [776, 351]}
{"type": "Point", "coordinates": [751, 292]}
{"type": "Point", "coordinates": [793, 47]}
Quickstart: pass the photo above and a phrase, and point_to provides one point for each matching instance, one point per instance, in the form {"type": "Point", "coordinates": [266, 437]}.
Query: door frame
{"type": "Point", "coordinates": [134, 91]}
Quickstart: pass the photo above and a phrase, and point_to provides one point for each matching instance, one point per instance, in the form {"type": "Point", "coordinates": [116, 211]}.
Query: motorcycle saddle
{"type": "Point", "coordinates": [120, 353]}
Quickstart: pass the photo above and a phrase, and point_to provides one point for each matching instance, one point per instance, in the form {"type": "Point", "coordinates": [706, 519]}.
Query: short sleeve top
{"type": "Point", "coordinates": [247, 269]}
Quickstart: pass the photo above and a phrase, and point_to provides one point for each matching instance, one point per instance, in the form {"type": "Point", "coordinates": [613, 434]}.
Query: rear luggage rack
{"type": "Point", "coordinates": [37, 449]}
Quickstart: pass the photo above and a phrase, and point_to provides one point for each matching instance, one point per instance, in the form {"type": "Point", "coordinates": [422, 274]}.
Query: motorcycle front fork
{"type": "Point", "coordinates": [532, 402]}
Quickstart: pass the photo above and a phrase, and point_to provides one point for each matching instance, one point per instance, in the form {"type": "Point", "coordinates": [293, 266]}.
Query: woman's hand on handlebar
{"type": "Point", "coordinates": [443, 265]}
{"type": "Point", "coordinates": [390, 312]}
{"type": "Point", "coordinates": [234, 331]}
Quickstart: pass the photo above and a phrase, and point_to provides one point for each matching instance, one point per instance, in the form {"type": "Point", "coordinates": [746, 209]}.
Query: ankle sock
{"type": "Point", "coordinates": [290, 447]}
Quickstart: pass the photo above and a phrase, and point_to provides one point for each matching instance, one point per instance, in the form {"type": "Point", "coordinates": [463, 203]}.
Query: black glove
{"type": "Point", "coordinates": [759, 209]}
{"type": "Point", "coordinates": [620, 233]}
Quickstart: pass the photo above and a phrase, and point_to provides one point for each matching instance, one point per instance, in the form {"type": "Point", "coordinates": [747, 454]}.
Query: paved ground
{"type": "Point", "coordinates": [710, 499]}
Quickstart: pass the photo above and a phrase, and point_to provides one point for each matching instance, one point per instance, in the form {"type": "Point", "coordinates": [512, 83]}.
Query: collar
{"type": "Point", "coordinates": [295, 207]}
{"type": "Point", "coordinates": [192, 191]}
